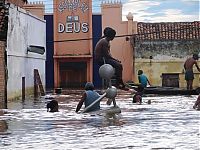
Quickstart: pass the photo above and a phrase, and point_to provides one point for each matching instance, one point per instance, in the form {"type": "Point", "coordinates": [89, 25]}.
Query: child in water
{"type": "Point", "coordinates": [137, 98]}
{"type": "Point", "coordinates": [143, 80]}
{"type": "Point", "coordinates": [53, 106]}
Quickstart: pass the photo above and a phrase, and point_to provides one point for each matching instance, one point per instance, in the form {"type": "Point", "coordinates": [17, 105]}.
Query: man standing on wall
{"type": "Point", "coordinates": [103, 55]}
{"type": "Point", "coordinates": [188, 66]}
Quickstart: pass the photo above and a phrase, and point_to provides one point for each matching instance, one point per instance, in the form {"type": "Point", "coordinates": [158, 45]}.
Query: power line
{"type": "Point", "coordinates": [85, 39]}
{"type": "Point", "coordinates": [118, 36]}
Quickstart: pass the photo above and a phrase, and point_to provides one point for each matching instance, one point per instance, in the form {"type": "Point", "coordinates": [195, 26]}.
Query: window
{"type": "Point", "coordinates": [72, 18]}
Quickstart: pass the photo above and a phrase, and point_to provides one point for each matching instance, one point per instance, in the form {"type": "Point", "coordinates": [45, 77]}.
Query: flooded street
{"type": "Point", "coordinates": [168, 123]}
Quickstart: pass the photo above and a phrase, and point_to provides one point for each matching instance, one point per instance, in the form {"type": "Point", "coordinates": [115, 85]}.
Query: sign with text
{"type": "Point", "coordinates": [74, 11]}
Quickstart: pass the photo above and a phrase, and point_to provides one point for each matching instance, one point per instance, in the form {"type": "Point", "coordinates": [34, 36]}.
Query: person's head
{"type": "Point", "coordinates": [109, 33]}
{"type": "Point", "coordinates": [140, 72]}
{"type": "Point", "coordinates": [53, 106]}
{"type": "Point", "coordinates": [195, 56]}
{"type": "Point", "coordinates": [89, 86]}
{"type": "Point", "coordinates": [137, 98]}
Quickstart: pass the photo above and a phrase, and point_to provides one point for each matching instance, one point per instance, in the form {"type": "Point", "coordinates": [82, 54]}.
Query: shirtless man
{"type": "Point", "coordinates": [103, 55]}
{"type": "Point", "coordinates": [188, 66]}
{"type": "Point", "coordinates": [53, 106]}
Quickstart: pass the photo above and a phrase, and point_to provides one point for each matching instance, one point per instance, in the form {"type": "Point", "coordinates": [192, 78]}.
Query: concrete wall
{"type": "Point", "coordinates": [2, 75]}
{"type": "Point", "coordinates": [167, 57]}
{"type": "Point", "coordinates": [24, 30]}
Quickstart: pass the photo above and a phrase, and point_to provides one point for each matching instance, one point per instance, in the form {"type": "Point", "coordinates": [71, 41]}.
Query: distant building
{"type": "Point", "coordinates": [72, 50]}
{"type": "Point", "coordinates": [162, 48]}
{"type": "Point", "coordinates": [76, 32]}
{"type": "Point", "coordinates": [159, 49]}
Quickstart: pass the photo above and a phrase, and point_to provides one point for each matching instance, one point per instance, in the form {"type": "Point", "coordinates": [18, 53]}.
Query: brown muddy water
{"type": "Point", "coordinates": [169, 122]}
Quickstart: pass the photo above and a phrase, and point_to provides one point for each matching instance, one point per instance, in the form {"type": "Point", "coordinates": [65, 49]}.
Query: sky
{"type": "Point", "coordinates": [149, 10]}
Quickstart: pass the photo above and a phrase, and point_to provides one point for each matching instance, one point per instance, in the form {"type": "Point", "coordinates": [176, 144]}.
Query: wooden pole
{"type": "Point", "coordinates": [35, 84]}
{"type": "Point", "coordinates": [23, 88]}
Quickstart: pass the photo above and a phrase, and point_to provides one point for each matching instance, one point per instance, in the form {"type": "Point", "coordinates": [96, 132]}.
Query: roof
{"type": "Point", "coordinates": [168, 31]}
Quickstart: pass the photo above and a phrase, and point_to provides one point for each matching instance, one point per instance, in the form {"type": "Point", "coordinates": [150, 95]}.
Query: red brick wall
{"type": "Point", "coordinates": [2, 75]}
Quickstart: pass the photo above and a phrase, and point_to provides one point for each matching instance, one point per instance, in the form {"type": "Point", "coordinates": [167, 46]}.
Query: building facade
{"type": "Point", "coordinates": [72, 43]}
{"type": "Point", "coordinates": [159, 53]}
{"type": "Point", "coordinates": [121, 47]}
{"type": "Point", "coordinates": [35, 8]}
{"type": "Point", "coordinates": [25, 32]}
{"type": "Point", "coordinates": [162, 48]}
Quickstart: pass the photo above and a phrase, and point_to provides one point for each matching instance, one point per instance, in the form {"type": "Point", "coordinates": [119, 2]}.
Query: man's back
{"type": "Point", "coordinates": [101, 49]}
{"type": "Point", "coordinates": [189, 63]}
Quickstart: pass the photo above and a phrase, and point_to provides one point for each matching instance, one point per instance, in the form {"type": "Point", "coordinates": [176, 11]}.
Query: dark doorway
{"type": "Point", "coordinates": [73, 74]}
{"type": "Point", "coordinates": [170, 80]}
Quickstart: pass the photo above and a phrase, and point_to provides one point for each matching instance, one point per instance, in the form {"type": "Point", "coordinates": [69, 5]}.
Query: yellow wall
{"type": "Point", "coordinates": [153, 70]}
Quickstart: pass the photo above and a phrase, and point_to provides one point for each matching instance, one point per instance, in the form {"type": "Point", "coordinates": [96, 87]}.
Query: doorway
{"type": "Point", "coordinates": [73, 74]}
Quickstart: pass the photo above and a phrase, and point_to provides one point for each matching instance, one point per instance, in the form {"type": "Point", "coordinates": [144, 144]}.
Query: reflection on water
{"type": "Point", "coordinates": [168, 123]}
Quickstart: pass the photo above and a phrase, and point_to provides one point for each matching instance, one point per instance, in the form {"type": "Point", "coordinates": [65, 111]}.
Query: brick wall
{"type": "Point", "coordinates": [2, 75]}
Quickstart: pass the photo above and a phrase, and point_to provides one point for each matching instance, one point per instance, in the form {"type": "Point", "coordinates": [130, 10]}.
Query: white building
{"type": "Point", "coordinates": [24, 30]}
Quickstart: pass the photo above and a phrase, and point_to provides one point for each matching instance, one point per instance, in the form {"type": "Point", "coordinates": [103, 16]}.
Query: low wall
{"type": "Point", "coordinates": [154, 69]}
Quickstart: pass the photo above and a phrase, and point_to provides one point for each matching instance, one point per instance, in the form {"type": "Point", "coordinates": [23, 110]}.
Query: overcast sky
{"type": "Point", "coordinates": [150, 10]}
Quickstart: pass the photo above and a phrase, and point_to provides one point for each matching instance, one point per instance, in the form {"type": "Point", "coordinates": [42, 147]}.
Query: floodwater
{"type": "Point", "coordinates": [169, 122]}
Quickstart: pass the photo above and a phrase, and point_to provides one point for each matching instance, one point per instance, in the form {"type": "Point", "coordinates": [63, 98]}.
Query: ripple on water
{"type": "Point", "coordinates": [168, 123]}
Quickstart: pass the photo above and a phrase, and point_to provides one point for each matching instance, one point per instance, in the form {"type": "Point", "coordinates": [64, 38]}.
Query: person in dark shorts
{"type": "Point", "coordinates": [52, 106]}
{"type": "Point", "coordinates": [188, 66]}
{"type": "Point", "coordinates": [102, 55]}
